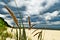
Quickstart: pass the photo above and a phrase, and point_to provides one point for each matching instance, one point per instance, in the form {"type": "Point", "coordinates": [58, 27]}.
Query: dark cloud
{"type": "Point", "coordinates": [6, 1]}
{"type": "Point", "coordinates": [53, 8]}
{"type": "Point", "coordinates": [55, 19]}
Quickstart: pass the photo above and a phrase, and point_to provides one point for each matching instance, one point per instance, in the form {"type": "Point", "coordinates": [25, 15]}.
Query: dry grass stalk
{"type": "Point", "coordinates": [36, 33]}
{"type": "Point", "coordinates": [12, 14]}
{"type": "Point", "coordinates": [39, 34]}
{"type": "Point", "coordinates": [30, 26]}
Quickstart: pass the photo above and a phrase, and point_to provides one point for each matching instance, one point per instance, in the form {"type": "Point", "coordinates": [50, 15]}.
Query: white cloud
{"type": "Point", "coordinates": [4, 10]}
{"type": "Point", "coordinates": [49, 16]}
{"type": "Point", "coordinates": [2, 3]}
{"type": "Point", "coordinates": [19, 3]}
{"type": "Point", "coordinates": [57, 22]}
{"type": "Point", "coordinates": [34, 6]}
{"type": "Point", "coordinates": [2, 16]}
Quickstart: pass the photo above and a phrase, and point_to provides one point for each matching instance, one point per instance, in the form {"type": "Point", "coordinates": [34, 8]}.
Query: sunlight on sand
{"type": "Point", "coordinates": [47, 34]}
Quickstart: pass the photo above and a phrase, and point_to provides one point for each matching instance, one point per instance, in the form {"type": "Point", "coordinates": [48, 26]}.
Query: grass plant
{"type": "Point", "coordinates": [23, 35]}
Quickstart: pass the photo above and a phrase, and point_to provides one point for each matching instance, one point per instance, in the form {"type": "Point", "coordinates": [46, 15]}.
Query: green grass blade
{"type": "Point", "coordinates": [24, 34]}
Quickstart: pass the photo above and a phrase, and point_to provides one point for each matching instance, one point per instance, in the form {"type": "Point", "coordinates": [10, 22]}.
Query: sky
{"type": "Point", "coordinates": [40, 11]}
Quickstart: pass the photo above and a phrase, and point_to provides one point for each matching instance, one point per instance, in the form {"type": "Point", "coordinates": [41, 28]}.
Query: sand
{"type": "Point", "coordinates": [46, 34]}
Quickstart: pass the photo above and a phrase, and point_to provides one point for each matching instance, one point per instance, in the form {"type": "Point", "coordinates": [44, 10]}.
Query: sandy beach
{"type": "Point", "coordinates": [47, 34]}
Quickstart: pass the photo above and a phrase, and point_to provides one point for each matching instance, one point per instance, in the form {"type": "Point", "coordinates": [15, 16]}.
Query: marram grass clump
{"type": "Point", "coordinates": [23, 35]}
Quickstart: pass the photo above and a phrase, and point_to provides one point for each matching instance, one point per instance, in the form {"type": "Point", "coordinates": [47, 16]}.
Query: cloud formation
{"type": "Point", "coordinates": [35, 7]}
{"type": "Point", "coordinates": [49, 16]}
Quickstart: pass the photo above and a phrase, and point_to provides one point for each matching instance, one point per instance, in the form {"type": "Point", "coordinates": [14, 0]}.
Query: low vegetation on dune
{"type": "Point", "coordinates": [3, 29]}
